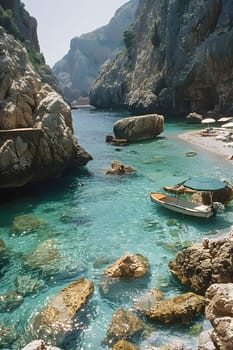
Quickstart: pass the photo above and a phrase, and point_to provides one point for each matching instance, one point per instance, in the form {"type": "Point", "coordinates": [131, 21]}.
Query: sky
{"type": "Point", "coordinates": [61, 20]}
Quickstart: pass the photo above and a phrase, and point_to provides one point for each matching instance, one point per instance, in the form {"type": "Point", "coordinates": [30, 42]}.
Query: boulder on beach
{"type": "Point", "coordinates": [139, 128]}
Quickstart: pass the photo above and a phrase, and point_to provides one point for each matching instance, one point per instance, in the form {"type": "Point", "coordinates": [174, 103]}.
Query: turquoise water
{"type": "Point", "coordinates": [92, 219]}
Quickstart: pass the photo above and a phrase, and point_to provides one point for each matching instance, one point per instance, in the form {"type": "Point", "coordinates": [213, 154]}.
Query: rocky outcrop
{"type": "Point", "coordinates": [178, 59]}
{"type": "Point", "coordinates": [181, 309]}
{"type": "Point", "coordinates": [58, 317]}
{"type": "Point", "coordinates": [206, 263]}
{"type": "Point", "coordinates": [26, 24]}
{"type": "Point", "coordinates": [43, 145]}
{"type": "Point", "coordinates": [128, 266]}
{"type": "Point", "coordinates": [219, 311]}
{"type": "Point", "coordinates": [77, 70]}
{"type": "Point", "coordinates": [139, 128]}
{"type": "Point", "coordinates": [119, 169]}
{"type": "Point", "coordinates": [220, 301]}
{"type": "Point", "coordinates": [124, 345]}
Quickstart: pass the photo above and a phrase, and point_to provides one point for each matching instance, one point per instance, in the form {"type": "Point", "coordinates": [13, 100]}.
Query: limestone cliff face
{"type": "Point", "coordinates": [178, 59]}
{"type": "Point", "coordinates": [77, 70]}
{"type": "Point", "coordinates": [26, 24]}
{"type": "Point", "coordinates": [36, 136]}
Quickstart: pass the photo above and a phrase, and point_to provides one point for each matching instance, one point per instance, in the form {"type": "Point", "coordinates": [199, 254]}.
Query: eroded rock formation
{"type": "Point", "coordinates": [206, 263]}
{"type": "Point", "coordinates": [219, 311]}
{"type": "Point", "coordinates": [118, 168]}
{"type": "Point", "coordinates": [43, 146]}
{"type": "Point", "coordinates": [178, 59]}
{"type": "Point", "coordinates": [128, 266]}
{"type": "Point", "coordinates": [182, 309]}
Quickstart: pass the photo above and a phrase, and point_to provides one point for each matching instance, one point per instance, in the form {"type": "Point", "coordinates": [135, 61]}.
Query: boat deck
{"type": "Point", "coordinates": [177, 201]}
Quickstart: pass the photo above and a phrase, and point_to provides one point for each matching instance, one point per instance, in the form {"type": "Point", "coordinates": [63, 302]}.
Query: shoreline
{"type": "Point", "coordinates": [208, 143]}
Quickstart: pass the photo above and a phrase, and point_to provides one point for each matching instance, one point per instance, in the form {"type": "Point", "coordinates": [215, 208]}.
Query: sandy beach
{"type": "Point", "coordinates": [209, 143]}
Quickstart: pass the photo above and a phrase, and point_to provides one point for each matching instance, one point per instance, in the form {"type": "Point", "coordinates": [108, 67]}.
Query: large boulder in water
{"type": "Point", "coordinates": [182, 308]}
{"type": "Point", "coordinates": [128, 266]}
{"type": "Point", "coordinates": [58, 317]}
{"type": "Point", "coordinates": [206, 263]}
{"type": "Point", "coordinates": [139, 128]}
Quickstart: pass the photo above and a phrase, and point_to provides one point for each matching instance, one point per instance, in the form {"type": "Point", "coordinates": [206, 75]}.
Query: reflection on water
{"type": "Point", "coordinates": [89, 220]}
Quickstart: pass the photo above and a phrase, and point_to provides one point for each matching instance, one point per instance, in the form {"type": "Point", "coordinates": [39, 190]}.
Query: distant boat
{"type": "Point", "coordinates": [182, 206]}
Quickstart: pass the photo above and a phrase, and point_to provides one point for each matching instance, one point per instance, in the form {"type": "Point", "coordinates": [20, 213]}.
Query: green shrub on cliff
{"type": "Point", "coordinates": [36, 57]}
{"type": "Point", "coordinates": [130, 41]}
{"type": "Point", "coordinates": [8, 23]}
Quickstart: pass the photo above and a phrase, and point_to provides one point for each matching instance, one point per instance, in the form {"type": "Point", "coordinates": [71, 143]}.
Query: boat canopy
{"type": "Point", "coordinates": [204, 184]}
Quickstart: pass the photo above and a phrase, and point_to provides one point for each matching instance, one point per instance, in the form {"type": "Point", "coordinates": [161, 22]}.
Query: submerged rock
{"type": "Point", "coordinates": [124, 325]}
{"type": "Point", "coordinates": [26, 285]}
{"type": "Point", "coordinates": [7, 337]}
{"type": "Point", "coordinates": [24, 224]}
{"type": "Point", "coordinates": [148, 301]}
{"type": "Point", "coordinates": [44, 257]}
{"type": "Point", "coordinates": [10, 301]}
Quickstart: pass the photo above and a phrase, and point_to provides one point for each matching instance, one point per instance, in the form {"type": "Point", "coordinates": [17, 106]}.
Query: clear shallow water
{"type": "Point", "coordinates": [93, 218]}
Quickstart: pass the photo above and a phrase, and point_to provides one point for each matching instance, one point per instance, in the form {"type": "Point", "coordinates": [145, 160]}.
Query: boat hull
{"type": "Point", "coordinates": [181, 206]}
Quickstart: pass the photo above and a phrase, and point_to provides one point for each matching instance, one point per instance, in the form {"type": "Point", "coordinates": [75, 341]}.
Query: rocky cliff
{"type": "Point", "coordinates": [78, 69]}
{"type": "Point", "coordinates": [36, 135]}
{"type": "Point", "coordinates": [26, 24]}
{"type": "Point", "coordinates": [16, 20]}
{"type": "Point", "coordinates": [178, 59]}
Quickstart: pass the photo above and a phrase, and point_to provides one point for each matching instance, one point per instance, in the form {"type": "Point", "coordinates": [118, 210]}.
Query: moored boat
{"type": "Point", "coordinates": [182, 206]}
